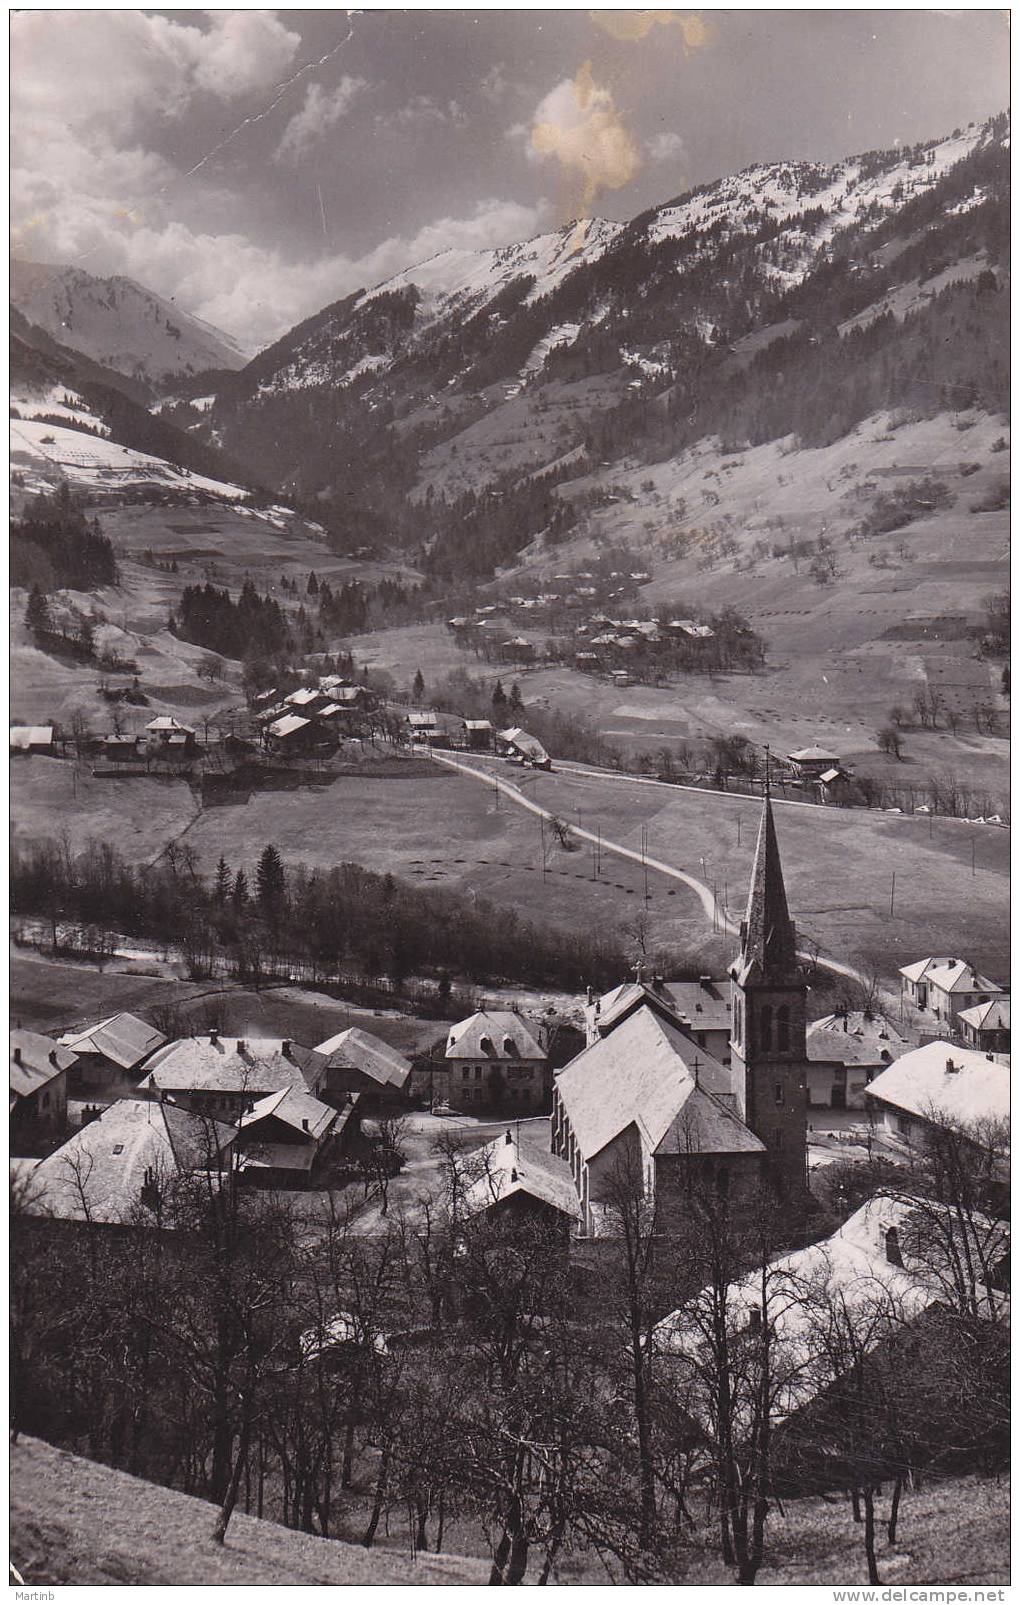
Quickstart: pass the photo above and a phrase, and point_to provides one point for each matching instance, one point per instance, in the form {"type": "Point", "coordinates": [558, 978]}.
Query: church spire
{"type": "Point", "coordinates": [768, 950]}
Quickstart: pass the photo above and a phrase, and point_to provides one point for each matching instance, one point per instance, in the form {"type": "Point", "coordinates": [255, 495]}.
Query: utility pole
{"type": "Point", "coordinates": [644, 859]}
{"type": "Point", "coordinates": [892, 894]}
{"type": "Point", "coordinates": [541, 821]}
{"type": "Point", "coordinates": [973, 856]}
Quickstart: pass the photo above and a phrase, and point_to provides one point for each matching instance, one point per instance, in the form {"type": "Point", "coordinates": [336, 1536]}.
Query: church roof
{"type": "Point", "coordinates": [768, 950]}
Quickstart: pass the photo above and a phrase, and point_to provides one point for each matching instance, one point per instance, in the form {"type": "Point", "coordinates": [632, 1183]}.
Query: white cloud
{"type": "Point", "coordinates": [321, 111]}
{"type": "Point", "coordinates": [666, 147]}
{"type": "Point", "coordinates": [421, 110]}
{"type": "Point", "coordinates": [579, 125]}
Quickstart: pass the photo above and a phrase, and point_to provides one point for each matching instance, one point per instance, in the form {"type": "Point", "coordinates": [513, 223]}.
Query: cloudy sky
{"type": "Point", "coordinates": [256, 165]}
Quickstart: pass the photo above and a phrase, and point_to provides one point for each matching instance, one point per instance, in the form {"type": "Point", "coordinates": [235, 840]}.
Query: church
{"type": "Point", "coordinates": [659, 1097]}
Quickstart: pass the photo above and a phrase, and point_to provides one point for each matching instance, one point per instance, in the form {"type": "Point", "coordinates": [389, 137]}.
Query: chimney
{"type": "Point", "coordinates": [53, 1058]}
{"type": "Point", "coordinates": [214, 1038]}
{"type": "Point", "coordinates": [242, 1046]}
{"type": "Point", "coordinates": [846, 1022]}
{"type": "Point", "coordinates": [285, 1049]}
{"type": "Point", "coordinates": [513, 1175]}
{"type": "Point", "coordinates": [17, 1056]}
{"type": "Point", "coordinates": [304, 1125]}
{"type": "Point", "coordinates": [705, 982]}
{"type": "Point", "coordinates": [951, 1068]}
{"type": "Point", "coordinates": [509, 1136]}
{"type": "Point", "coordinates": [893, 1252]}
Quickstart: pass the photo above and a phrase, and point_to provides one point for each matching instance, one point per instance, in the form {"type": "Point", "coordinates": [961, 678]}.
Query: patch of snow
{"type": "Point", "coordinates": [97, 463]}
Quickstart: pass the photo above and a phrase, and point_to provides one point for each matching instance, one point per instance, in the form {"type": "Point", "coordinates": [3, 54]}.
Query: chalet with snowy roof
{"type": "Point", "coordinates": [38, 1099]}
{"type": "Point", "coordinates": [504, 1183]}
{"type": "Point", "coordinates": [110, 1057]}
{"type": "Point", "coordinates": [225, 1076]}
{"type": "Point", "coordinates": [423, 726]}
{"type": "Point", "coordinates": [517, 650]}
{"type": "Point", "coordinates": [134, 1163]}
{"type": "Point", "coordinates": [493, 1059]}
{"type": "Point", "coordinates": [945, 987]}
{"type": "Point", "coordinates": [167, 735]}
{"type": "Point", "coordinates": [846, 1051]}
{"type": "Point", "coordinates": [31, 738]}
{"type": "Point", "coordinates": [515, 743]}
{"type": "Point", "coordinates": [291, 1139]}
{"type": "Point", "coordinates": [293, 733]}
{"type": "Point", "coordinates": [986, 1026]}
{"type": "Point", "coordinates": [894, 1260]}
{"type": "Point", "coordinates": [810, 763]}
{"type": "Point", "coordinates": [361, 1064]}
{"type": "Point", "coordinates": [938, 1083]}
{"type": "Point", "coordinates": [478, 735]}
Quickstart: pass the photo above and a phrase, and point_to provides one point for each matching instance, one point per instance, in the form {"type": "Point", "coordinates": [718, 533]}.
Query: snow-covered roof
{"type": "Point", "coordinates": [165, 722]}
{"type": "Point", "coordinates": [991, 1016]}
{"type": "Point", "coordinates": [422, 721]}
{"type": "Point", "coordinates": [294, 1108]}
{"type": "Point", "coordinates": [123, 1038]}
{"type": "Point", "coordinates": [100, 1173]}
{"type": "Point", "coordinates": [354, 1049]}
{"type": "Point", "coordinates": [941, 1080]}
{"type": "Point", "coordinates": [528, 746]}
{"type": "Point", "coordinates": [24, 736]}
{"type": "Point", "coordinates": [477, 724]}
{"type": "Point", "coordinates": [303, 696]}
{"type": "Point", "coordinates": [36, 1061]}
{"type": "Point", "coordinates": [500, 1170]}
{"type": "Point", "coordinates": [949, 975]}
{"type": "Point", "coordinates": [288, 725]}
{"type": "Point", "coordinates": [849, 1276]}
{"type": "Point", "coordinates": [255, 1065]}
{"type": "Point", "coordinates": [492, 1034]}
{"type": "Point", "coordinates": [854, 1038]}
{"type": "Point", "coordinates": [648, 1073]}
{"type": "Point", "coordinates": [814, 755]}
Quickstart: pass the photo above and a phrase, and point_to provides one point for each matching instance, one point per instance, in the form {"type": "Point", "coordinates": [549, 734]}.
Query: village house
{"type": "Point", "coordinates": [494, 1060]}
{"type": "Point", "coordinates": [167, 737]}
{"type": "Point", "coordinates": [517, 650]}
{"type": "Point", "coordinates": [986, 1026]}
{"type": "Point", "coordinates": [360, 1064]}
{"type": "Point", "coordinates": [294, 734]}
{"type": "Point", "coordinates": [306, 700]}
{"type": "Point", "coordinates": [110, 1058]}
{"type": "Point", "coordinates": [891, 1262]}
{"type": "Point", "coordinates": [128, 1165]}
{"type": "Point", "coordinates": [31, 738]}
{"type": "Point", "coordinates": [846, 1051]}
{"type": "Point", "coordinates": [516, 744]}
{"type": "Point", "coordinates": [810, 763]}
{"type": "Point", "coordinates": [520, 1189]}
{"type": "Point", "coordinates": [224, 1076]}
{"type": "Point", "coordinates": [939, 1083]}
{"type": "Point", "coordinates": [291, 1139]}
{"type": "Point", "coordinates": [478, 735]}
{"type": "Point", "coordinates": [423, 727]}
{"type": "Point", "coordinates": [945, 987]}
{"type": "Point", "coordinates": [38, 1107]}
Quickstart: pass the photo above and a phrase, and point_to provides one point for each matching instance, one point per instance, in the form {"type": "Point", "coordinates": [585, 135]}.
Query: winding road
{"type": "Point", "coordinates": [714, 910]}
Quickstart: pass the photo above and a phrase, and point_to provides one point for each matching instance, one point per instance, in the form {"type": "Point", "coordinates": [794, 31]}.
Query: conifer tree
{"type": "Point", "coordinates": [222, 885]}
{"type": "Point", "coordinates": [37, 613]}
{"type": "Point", "coordinates": [418, 686]}
{"type": "Point", "coordinates": [240, 889]}
{"type": "Point", "coordinates": [498, 697]}
{"type": "Point", "coordinates": [270, 879]}
{"type": "Point", "coordinates": [516, 702]}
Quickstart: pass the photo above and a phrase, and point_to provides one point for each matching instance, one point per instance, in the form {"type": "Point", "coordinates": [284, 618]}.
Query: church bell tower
{"type": "Point", "coordinates": [768, 1034]}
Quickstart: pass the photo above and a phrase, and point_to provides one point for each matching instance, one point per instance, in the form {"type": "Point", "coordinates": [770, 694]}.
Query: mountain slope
{"type": "Point", "coordinates": [72, 418]}
{"type": "Point", "coordinates": [787, 298]}
{"type": "Point", "coordinates": [120, 323]}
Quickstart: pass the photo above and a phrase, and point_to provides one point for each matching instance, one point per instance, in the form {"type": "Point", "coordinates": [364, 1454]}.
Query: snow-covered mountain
{"type": "Point", "coordinates": [740, 306]}
{"type": "Point", "coordinates": [120, 323]}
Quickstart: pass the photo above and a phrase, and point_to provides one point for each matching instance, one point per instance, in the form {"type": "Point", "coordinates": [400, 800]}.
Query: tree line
{"type": "Point", "coordinates": [259, 919]}
{"type": "Point", "coordinates": [55, 547]}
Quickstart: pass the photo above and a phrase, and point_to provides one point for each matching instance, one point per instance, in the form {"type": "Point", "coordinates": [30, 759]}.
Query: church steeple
{"type": "Point", "coordinates": [768, 1045]}
{"type": "Point", "coordinates": [768, 948]}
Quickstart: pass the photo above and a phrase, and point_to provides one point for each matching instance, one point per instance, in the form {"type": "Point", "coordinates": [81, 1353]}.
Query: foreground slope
{"type": "Point", "coordinates": [76, 1522]}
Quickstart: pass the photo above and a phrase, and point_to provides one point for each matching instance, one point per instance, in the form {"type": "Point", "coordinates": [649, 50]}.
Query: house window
{"type": "Point", "coordinates": [478, 1072]}
{"type": "Point", "coordinates": [779, 1093]}
{"type": "Point", "coordinates": [722, 1181]}
{"type": "Point", "coordinates": [765, 1026]}
{"type": "Point", "coordinates": [466, 1071]}
{"type": "Point", "coordinates": [45, 1100]}
{"type": "Point", "coordinates": [893, 1252]}
{"type": "Point", "coordinates": [783, 1028]}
